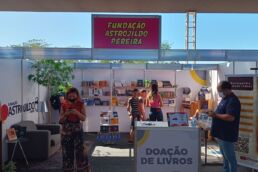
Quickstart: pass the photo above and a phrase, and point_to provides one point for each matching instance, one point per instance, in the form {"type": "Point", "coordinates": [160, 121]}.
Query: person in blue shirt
{"type": "Point", "coordinates": [225, 124]}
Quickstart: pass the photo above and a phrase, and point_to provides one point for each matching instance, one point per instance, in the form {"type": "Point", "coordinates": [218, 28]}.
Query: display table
{"type": "Point", "coordinates": [124, 121]}
{"type": "Point", "coordinates": [166, 149]}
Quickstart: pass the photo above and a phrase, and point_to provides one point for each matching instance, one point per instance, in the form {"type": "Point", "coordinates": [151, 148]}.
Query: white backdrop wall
{"type": "Point", "coordinates": [10, 76]}
{"type": "Point", "coordinates": [184, 79]}
{"type": "Point", "coordinates": [30, 92]}
{"type": "Point", "coordinates": [17, 89]}
{"type": "Point", "coordinates": [78, 77]}
{"type": "Point", "coordinates": [225, 69]}
{"type": "Point", "coordinates": [244, 67]}
{"type": "Point", "coordinates": [238, 68]}
{"type": "Point", "coordinates": [181, 78]}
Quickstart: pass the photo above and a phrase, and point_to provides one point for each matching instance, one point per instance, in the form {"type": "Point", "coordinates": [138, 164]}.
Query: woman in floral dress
{"type": "Point", "coordinates": [72, 115]}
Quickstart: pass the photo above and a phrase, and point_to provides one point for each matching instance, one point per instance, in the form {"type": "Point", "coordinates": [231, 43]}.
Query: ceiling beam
{"type": "Point", "coordinates": [132, 6]}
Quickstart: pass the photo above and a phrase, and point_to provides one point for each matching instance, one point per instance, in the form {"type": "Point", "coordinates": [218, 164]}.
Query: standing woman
{"type": "Point", "coordinates": [154, 101]}
{"type": "Point", "coordinates": [72, 115]}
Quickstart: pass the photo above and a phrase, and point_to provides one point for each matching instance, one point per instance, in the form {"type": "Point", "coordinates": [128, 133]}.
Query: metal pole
{"type": "Point", "coordinates": [234, 67]}
{"type": "Point", "coordinates": [112, 76]}
{"type": "Point", "coordinates": [1, 146]}
{"type": "Point", "coordinates": [190, 38]}
{"type": "Point", "coordinates": [39, 100]}
{"type": "Point", "coordinates": [187, 31]}
{"type": "Point", "coordinates": [175, 109]}
{"type": "Point", "coordinates": [23, 57]}
{"type": "Point", "coordinates": [22, 114]}
{"type": "Point", "coordinates": [194, 28]}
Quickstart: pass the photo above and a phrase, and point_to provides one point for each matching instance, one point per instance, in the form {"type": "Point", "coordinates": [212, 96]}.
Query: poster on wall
{"type": "Point", "coordinates": [15, 108]}
{"type": "Point", "coordinates": [241, 83]}
{"type": "Point", "coordinates": [247, 146]}
{"type": "Point", "coordinates": [155, 152]}
{"type": "Point", "coordinates": [126, 32]}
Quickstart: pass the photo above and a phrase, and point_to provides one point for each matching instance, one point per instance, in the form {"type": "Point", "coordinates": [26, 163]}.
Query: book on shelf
{"type": "Point", "coordinates": [172, 102]}
{"type": "Point", "coordinates": [160, 84]}
{"type": "Point", "coordinates": [154, 82]}
{"type": "Point", "coordinates": [95, 84]}
{"type": "Point", "coordinates": [133, 84]}
{"type": "Point", "coordinates": [140, 83]}
{"type": "Point", "coordinates": [167, 84]}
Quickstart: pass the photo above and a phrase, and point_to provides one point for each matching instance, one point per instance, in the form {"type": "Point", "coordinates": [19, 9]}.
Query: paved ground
{"type": "Point", "coordinates": [103, 159]}
{"type": "Point", "coordinates": [119, 158]}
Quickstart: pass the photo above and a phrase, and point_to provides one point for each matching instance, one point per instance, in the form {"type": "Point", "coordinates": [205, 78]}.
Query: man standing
{"type": "Point", "coordinates": [225, 125]}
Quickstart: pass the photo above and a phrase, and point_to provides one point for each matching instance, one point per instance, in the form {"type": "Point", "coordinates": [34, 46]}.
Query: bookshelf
{"type": "Point", "coordinates": [109, 89]}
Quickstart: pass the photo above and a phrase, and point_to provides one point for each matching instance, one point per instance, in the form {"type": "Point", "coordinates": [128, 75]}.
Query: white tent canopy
{"type": "Point", "coordinates": [122, 54]}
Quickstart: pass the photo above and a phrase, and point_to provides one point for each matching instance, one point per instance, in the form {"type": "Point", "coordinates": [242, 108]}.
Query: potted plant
{"type": "Point", "coordinates": [55, 98]}
{"type": "Point", "coordinates": [55, 75]}
{"type": "Point", "coordinates": [10, 167]}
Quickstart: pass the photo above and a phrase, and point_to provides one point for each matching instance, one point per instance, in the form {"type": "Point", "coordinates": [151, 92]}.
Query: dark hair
{"type": "Point", "coordinates": [225, 85]}
{"type": "Point", "coordinates": [135, 90]}
{"type": "Point", "coordinates": [143, 91]}
{"type": "Point", "coordinates": [72, 90]}
{"type": "Point", "coordinates": [154, 89]}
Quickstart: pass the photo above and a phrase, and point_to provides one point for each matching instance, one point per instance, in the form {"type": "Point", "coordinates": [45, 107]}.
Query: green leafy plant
{"type": "Point", "coordinates": [55, 75]}
{"type": "Point", "coordinates": [10, 167]}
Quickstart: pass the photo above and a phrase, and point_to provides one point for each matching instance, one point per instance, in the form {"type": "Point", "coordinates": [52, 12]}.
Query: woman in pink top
{"type": "Point", "coordinates": [154, 101]}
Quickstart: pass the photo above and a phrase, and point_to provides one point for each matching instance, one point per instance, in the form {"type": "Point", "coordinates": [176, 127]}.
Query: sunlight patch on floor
{"type": "Point", "coordinates": [212, 151]}
{"type": "Point", "coordinates": [103, 151]}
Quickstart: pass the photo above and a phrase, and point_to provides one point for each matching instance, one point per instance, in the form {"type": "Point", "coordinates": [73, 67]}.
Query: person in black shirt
{"type": "Point", "coordinates": [133, 108]}
{"type": "Point", "coordinates": [225, 125]}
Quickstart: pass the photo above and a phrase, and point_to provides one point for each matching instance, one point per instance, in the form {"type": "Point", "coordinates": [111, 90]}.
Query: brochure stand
{"type": "Point", "coordinates": [12, 139]}
{"type": "Point", "coordinates": [109, 128]}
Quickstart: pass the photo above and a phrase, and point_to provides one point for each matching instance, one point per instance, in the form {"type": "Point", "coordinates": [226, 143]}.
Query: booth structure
{"type": "Point", "coordinates": [15, 67]}
{"type": "Point", "coordinates": [17, 90]}
{"type": "Point", "coordinates": [114, 93]}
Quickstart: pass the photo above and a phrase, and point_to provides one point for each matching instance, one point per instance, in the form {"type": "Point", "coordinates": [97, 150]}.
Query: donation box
{"type": "Point", "coordinates": [167, 149]}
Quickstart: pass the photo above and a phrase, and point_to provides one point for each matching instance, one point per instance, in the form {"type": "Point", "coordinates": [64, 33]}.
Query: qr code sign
{"type": "Point", "coordinates": [242, 145]}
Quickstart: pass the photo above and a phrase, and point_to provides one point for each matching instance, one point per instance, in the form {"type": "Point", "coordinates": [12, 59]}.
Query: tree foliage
{"type": "Point", "coordinates": [33, 43]}
{"type": "Point", "coordinates": [165, 45]}
{"type": "Point", "coordinates": [55, 75]}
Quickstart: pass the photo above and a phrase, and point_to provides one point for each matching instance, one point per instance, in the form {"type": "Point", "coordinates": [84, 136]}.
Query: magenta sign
{"type": "Point", "coordinates": [126, 32]}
